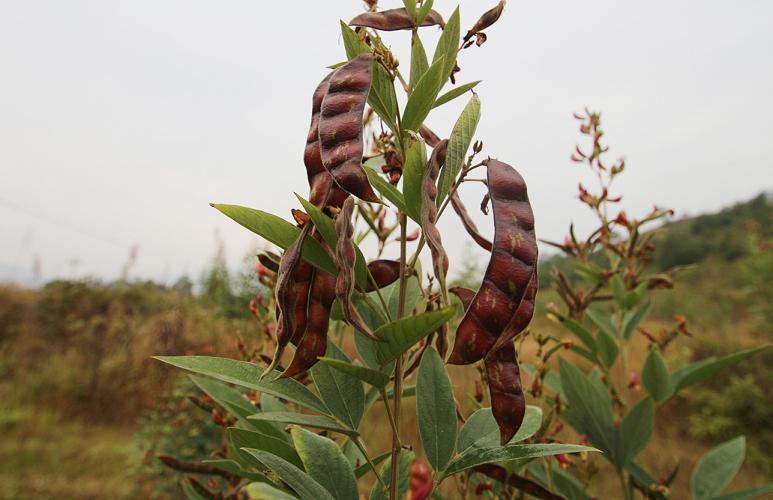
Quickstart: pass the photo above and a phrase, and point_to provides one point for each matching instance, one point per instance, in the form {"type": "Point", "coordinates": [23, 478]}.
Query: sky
{"type": "Point", "coordinates": [120, 121]}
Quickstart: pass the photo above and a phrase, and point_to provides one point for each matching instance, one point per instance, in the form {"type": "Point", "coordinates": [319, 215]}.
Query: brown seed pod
{"type": "Point", "coordinates": [464, 294]}
{"type": "Point", "coordinates": [323, 190]}
{"type": "Point", "coordinates": [508, 403]}
{"type": "Point", "coordinates": [313, 343]}
{"type": "Point", "coordinates": [429, 136]}
{"type": "Point", "coordinates": [523, 314]}
{"type": "Point", "coordinates": [291, 292]}
{"type": "Point", "coordinates": [429, 210]}
{"type": "Point", "coordinates": [394, 19]}
{"type": "Point", "coordinates": [468, 223]}
{"type": "Point", "coordinates": [345, 257]}
{"type": "Point", "coordinates": [487, 19]}
{"type": "Point", "coordinates": [512, 263]}
{"type": "Point", "coordinates": [384, 272]}
{"type": "Point", "coordinates": [340, 126]}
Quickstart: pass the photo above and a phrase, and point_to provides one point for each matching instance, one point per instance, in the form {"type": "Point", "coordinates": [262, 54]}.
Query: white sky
{"type": "Point", "coordinates": [121, 120]}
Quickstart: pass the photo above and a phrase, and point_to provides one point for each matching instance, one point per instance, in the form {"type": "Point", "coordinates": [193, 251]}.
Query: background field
{"type": "Point", "coordinates": [85, 410]}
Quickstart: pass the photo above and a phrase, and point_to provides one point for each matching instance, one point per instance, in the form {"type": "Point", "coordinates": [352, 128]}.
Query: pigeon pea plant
{"type": "Point", "coordinates": [323, 282]}
{"type": "Point", "coordinates": [603, 308]}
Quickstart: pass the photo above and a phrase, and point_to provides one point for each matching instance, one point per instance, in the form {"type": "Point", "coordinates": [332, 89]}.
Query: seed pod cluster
{"type": "Point", "coordinates": [512, 263]}
{"type": "Point", "coordinates": [340, 126]}
{"type": "Point", "coordinates": [345, 257]}
{"type": "Point", "coordinates": [394, 19]}
{"type": "Point", "coordinates": [429, 210]}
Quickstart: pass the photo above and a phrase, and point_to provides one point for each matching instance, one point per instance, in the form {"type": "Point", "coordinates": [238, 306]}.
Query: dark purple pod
{"type": "Point", "coordinates": [384, 273]}
{"type": "Point", "coordinates": [512, 263]}
{"type": "Point", "coordinates": [394, 19]}
{"type": "Point", "coordinates": [508, 403]}
{"type": "Point", "coordinates": [340, 126]}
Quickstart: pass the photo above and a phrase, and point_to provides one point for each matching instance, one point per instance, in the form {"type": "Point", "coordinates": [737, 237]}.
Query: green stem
{"type": "Point", "coordinates": [398, 382]}
{"type": "Point", "coordinates": [359, 444]}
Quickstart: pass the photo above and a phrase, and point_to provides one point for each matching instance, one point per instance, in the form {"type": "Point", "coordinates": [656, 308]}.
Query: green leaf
{"type": "Point", "coordinates": [644, 479]}
{"type": "Point", "coordinates": [656, 378]}
{"type": "Point", "coordinates": [717, 468]}
{"type": "Point", "coordinates": [602, 321]}
{"type": "Point", "coordinates": [448, 45]}
{"type": "Point", "coordinates": [279, 232]}
{"type": "Point", "coordinates": [481, 429]}
{"type": "Point", "coordinates": [419, 64]}
{"type": "Point", "coordinates": [191, 493]}
{"type": "Point", "coordinates": [410, 6]}
{"type": "Point", "coordinates": [365, 467]}
{"type": "Point", "coordinates": [423, 11]}
{"type": "Point", "coordinates": [383, 186]}
{"type": "Point", "coordinates": [326, 464]}
{"type": "Point", "coordinates": [247, 375]}
{"type": "Point", "coordinates": [271, 403]}
{"type": "Point", "coordinates": [636, 429]}
{"type": "Point", "coordinates": [398, 336]}
{"type": "Point", "coordinates": [560, 481]}
{"type": "Point", "coordinates": [306, 487]}
{"type": "Point", "coordinates": [581, 332]}
{"type": "Point", "coordinates": [342, 393]}
{"type": "Point", "coordinates": [413, 171]}
{"type": "Point", "coordinates": [747, 494]}
{"type": "Point", "coordinates": [478, 456]}
{"type": "Point", "coordinates": [326, 227]}
{"type": "Point", "coordinates": [590, 410]}
{"type": "Point", "coordinates": [455, 92]}
{"type": "Point", "coordinates": [235, 468]}
{"type": "Point", "coordinates": [423, 96]}
{"type": "Point", "coordinates": [263, 491]}
{"type": "Point", "coordinates": [633, 318]}
{"type": "Point", "coordinates": [316, 421]}
{"type": "Point", "coordinates": [705, 368]}
{"type": "Point", "coordinates": [436, 410]}
{"type": "Point", "coordinates": [607, 348]}
{"type": "Point", "coordinates": [372, 377]}
{"type": "Point", "coordinates": [230, 399]}
{"type": "Point", "coordinates": [242, 438]}
{"type": "Point", "coordinates": [458, 144]}
{"type": "Point", "coordinates": [406, 458]}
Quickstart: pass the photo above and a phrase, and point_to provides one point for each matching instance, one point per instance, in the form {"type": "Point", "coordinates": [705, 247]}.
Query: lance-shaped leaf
{"type": "Point", "coordinates": [279, 232]}
{"type": "Point", "coordinates": [429, 211]}
{"type": "Point", "coordinates": [458, 144]}
{"type": "Point", "coordinates": [306, 487]}
{"type": "Point", "coordinates": [455, 92]}
{"type": "Point", "coordinates": [636, 430]}
{"type": "Point", "coordinates": [264, 491]}
{"type": "Point", "coordinates": [281, 447]}
{"type": "Point", "coordinates": [247, 375]}
{"type": "Point", "coordinates": [398, 336]}
{"type": "Point", "coordinates": [373, 377]}
{"type": "Point", "coordinates": [313, 343]}
{"type": "Point", "coordinates": [656, 378]}
{"type": "Point", "coordinates": [423, 96]}
{"type": "Point", "coordinates": [230, 399]}
{"type": "Point", "coordinates": [345, 258]}
{"type": "Point", "coordinates": [413, 171]}
{"type": "Point", "coordinates": [509, 272]}
{"type": "Point", "coordinates": [448, 45]}
{"type": "Point", "coordinates": [481, 429]}
{"type": "Point", "coordinates": [316, 421]}
{"type": "Point", "coordinates": [394, 19]}
{"type": "Point", "coordinates": [419, 63]}
{"type": "Point", "coordinates": [717, 468]}
{"type": "Point", "coordinates": [340, 391]}
{"type": "Point", "coordinates": [479, 456]}
{"type": "Point", "coordinates": [468, 223]}
{"type": "Point", "coordinates": [436, 410]}
{"type": "Point", "coordinates": [705, 368]}
{"type": "Point", "coordinates": [340, 126]}
{"type": "Point", "coordinates": [326, 464]}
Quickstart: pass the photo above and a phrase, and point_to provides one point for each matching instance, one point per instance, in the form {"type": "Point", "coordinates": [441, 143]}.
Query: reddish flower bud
{"type": "Point", "coordinates": [634, 380]}
{"type": "Point", "coordinates": [563, 460]}
{"type": "Point", "coordinates": [420, 485]}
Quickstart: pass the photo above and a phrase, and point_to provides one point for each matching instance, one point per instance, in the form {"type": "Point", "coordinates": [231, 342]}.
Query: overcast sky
{"type": "Point", "coordinates": [121, 120]}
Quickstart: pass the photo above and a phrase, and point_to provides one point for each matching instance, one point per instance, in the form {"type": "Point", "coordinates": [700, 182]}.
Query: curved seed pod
{"type": "Point", "coordinates": [313, 343]}
{"type": "Point", "coordinates": [340, 126]}
{"type": "Point", "coordinates": [512, 263]}
{"type": "Point", "coordinates": [508, 403]}
{"type": "Point", "coordinates": [291, 293]}
{"type": "Point", "coordinates": [345, 257]}
{"type": "Point", "coordinates": [467, 222]}
{"type": "Point", "coordinates": [464, 294]}
{"type": "Point", "coordinates": [322, 189]}
{"type": "Point", "coordinates": [269, 260]}
{"type": "Point", "coordinates": [394, 19]}
{"type": "Point", "coordinates": [429, 210]}
{"type": "Point", "coordinates": [487, 19]}
{"type": "Point", "coordinates": [523, 314]}
{"type": "Point", "coordinates": [429, 136]}
{"type": "Point", "coordinates": [384, 272]}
